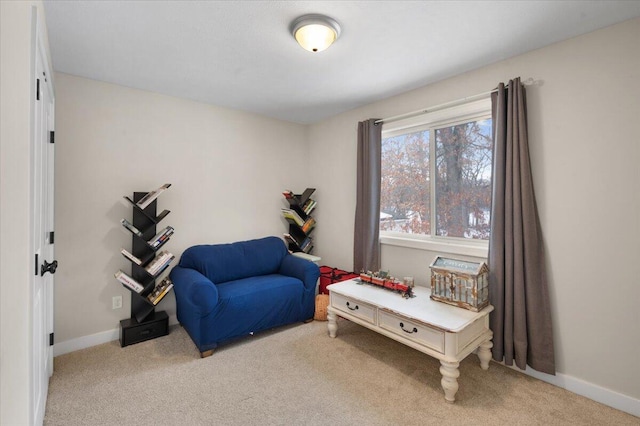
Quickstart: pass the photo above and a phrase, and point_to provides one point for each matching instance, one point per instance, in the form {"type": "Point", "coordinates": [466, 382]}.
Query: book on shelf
{"type": "Point", "coordinates": [293, 216]}
{"type": "Point", "coordinates": [161, 237]}
{"type": "Point", "coordinates": [160, 262]}
{"type": "Point", "coordinates": [131, 257]}
{"type": "Point", "coordinates": [160, 291]}
{"type": "Point", "coordinates": [290, 239]}
{"type": "Point", "coordinates": [309, 206]}
{"type": "Point", "coordinates": [308, 225]}
{"type": "Point", "coordinates": [129, 282]}
{"type": "Point", "coordinates": [304, 245]}
{"type": "Point", "coordinates": [130, 227]}
{"type": "Point", "coordinates": [151, 196]}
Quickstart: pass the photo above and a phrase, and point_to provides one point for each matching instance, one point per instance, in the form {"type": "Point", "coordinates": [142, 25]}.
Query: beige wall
{"type": "Point", "coordinates": [227, 171]}
{"type": "Point", "coordinates": [583, 119]}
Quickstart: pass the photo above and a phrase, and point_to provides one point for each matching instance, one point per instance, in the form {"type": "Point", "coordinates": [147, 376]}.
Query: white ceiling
{"type": "Point", "coordinates": [240, 54]}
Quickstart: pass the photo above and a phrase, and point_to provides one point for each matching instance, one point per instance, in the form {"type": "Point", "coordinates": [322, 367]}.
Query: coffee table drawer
{"type": "Point", "coordinates": [354, 307]}
{"type": "Point", "coordinates": [417, 332]}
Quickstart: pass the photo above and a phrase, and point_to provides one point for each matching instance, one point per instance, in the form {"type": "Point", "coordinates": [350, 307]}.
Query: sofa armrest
{"type": "Point", "coordinates": [194, 290]}
{"type": "Point", "coordinates": [297, 267]}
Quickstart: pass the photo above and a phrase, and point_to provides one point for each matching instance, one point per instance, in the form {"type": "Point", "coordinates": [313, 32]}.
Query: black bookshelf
{"type": "Point", "coordinates": [301, 223]}
{"type": "Point", "coordinates": [145, 322]}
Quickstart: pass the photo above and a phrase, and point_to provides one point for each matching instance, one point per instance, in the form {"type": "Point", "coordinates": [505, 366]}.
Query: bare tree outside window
{"type": "Point", "coordinates": [462, 182]}
{"type": "Point", "coordinates": [405, 189]}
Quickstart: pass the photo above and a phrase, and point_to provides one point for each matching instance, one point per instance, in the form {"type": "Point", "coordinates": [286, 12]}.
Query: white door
{"type": "Point", "coordinates": [42, 222]}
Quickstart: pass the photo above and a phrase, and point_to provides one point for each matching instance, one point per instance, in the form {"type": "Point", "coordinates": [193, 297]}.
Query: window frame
{"type": "Point", "coordinates": [463, 113]}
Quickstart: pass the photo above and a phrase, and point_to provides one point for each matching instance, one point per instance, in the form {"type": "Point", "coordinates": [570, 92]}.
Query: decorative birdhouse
{"type": "Point", "coordinates": [460, 283]}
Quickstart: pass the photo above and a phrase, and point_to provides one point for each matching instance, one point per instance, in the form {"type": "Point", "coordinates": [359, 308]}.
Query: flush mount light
{"type": "Point", "coordinates": [315, 32]}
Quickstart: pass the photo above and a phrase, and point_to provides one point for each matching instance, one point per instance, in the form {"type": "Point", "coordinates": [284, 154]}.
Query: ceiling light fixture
{"type": "Point", "coordinates": [315, 32]}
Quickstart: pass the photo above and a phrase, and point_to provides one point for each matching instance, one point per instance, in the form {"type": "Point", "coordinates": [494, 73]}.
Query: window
{"type": "Point", "coordinates": [436, 175]}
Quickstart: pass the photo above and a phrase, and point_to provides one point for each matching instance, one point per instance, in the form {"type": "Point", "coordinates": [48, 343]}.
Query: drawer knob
{"type": "Point", "coordinates": [353, 309]}
{"type": "Point", "coordinates": [415, 330]}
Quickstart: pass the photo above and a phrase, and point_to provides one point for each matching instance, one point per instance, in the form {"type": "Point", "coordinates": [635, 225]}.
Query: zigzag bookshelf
{"type": "Point", "coordinates": [148, 263]}
{"type": "Point", "coordinates": [301, 224]}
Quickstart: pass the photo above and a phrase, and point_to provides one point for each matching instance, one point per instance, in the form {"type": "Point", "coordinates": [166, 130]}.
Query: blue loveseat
{"type": "Point", "coordinates": [226, 291]}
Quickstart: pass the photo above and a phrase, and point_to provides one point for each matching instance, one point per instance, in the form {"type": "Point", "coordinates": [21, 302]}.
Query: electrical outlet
{"type": "Point", "coordinates": [116, 302]}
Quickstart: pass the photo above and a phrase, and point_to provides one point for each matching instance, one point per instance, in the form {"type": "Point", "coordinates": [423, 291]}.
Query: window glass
{"type": "Point", "coordinates": [405, 189]}
{"type": "Point", "coordinates": [436, 175]}
{"type": "Point", "coordinates": [463, 180]}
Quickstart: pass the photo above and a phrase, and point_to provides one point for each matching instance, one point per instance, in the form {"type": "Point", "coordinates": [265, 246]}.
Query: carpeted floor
{"type": "Point", "coordinates": [297, 375]}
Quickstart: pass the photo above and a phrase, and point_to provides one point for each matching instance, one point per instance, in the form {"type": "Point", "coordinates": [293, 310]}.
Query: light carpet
{"type": "Point", "coordinates": [298, 375]}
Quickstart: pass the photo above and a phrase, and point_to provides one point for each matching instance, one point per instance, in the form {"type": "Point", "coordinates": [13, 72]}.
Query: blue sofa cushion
{"type": "Point", "coordinates": [229, 262]}
{"type": "Point", "coordinates": [255, 304]}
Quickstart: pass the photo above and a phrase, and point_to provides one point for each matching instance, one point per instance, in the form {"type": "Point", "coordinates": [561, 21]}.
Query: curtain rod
{"type": "Point", "coordinates": [527, 82]}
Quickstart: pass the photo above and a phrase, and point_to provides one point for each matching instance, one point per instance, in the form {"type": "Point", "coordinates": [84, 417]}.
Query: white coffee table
{"type": "Point", "coordinates": [442, 331]}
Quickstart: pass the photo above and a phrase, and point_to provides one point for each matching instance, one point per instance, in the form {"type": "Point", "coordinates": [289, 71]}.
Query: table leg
{"type": "Point", "coordinates": [484, 353]}
{"type": "Point", "coordinates": [332, 325]}
{"type": "Point", "coordinates": [449, 382]}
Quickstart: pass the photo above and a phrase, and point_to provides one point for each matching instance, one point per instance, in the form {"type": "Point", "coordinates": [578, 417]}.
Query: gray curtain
{"type": "Point", "coordinates": [518, 290]}
{"type": "Point", "coordinates": [366, 248]}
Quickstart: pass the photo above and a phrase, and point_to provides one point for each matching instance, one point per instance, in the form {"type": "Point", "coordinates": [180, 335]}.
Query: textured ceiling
{"type": "Point", "coordinates": [240, 54]}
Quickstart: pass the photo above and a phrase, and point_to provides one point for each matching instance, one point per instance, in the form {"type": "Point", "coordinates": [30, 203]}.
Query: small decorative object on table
{"type": "Point", "coordinates": [460, 283]}
{"type": "Point", "coordinates": [384, 280]}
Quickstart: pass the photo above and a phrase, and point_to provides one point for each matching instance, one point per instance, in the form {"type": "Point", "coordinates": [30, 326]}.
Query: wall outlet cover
{"type": "Point", "coordinates": [116, 302]}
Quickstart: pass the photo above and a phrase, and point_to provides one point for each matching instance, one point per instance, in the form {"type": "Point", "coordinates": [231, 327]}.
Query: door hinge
{"type": "Point", "coordinates": [51, 235]}
{"type": "Point", "coordinates": [37, 89]}
{"type": "Point", "coordinates": [50, 339]}
{"type": "Point", "coordinates": [37, 264]}
{"type": "Point", "coordinates": [52, 136]}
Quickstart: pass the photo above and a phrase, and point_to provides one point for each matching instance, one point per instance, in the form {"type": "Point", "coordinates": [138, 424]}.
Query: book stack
{"type": "Point", "coordinates": [161, 237]}
{"type": "Point", "coordinates": [160, 291]}
{"type": "Point", "coordinates": [131, 257]}
{"type": "Point", "coordinates": [308, 225]}
{"type": "Point", "coordinates": [129, 282]}
{"type": "Point", "coordinates": [292, 216]}
{"type": "Point", "coordinates": [130, 227]}
{"type": "Point", "coordinates": [160, 262]}
{"type": "Point", "coordinates": [308, 206]}
{"type": "Point", "coordinates": [306, 245]}
{"type": "Point", "coordinates": [151, 196]}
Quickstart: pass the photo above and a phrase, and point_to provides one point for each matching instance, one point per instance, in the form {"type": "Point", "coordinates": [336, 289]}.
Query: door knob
{"type": "Point", "coordinates": [48, 267]}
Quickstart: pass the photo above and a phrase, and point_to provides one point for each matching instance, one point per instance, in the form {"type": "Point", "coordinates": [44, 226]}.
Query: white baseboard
{"type": "Point", "coordinates": [589, 390]}
{"type": "Point", "coordinates": [93, 340]}
{"type": "Point", "coordinates": [85, 342]}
